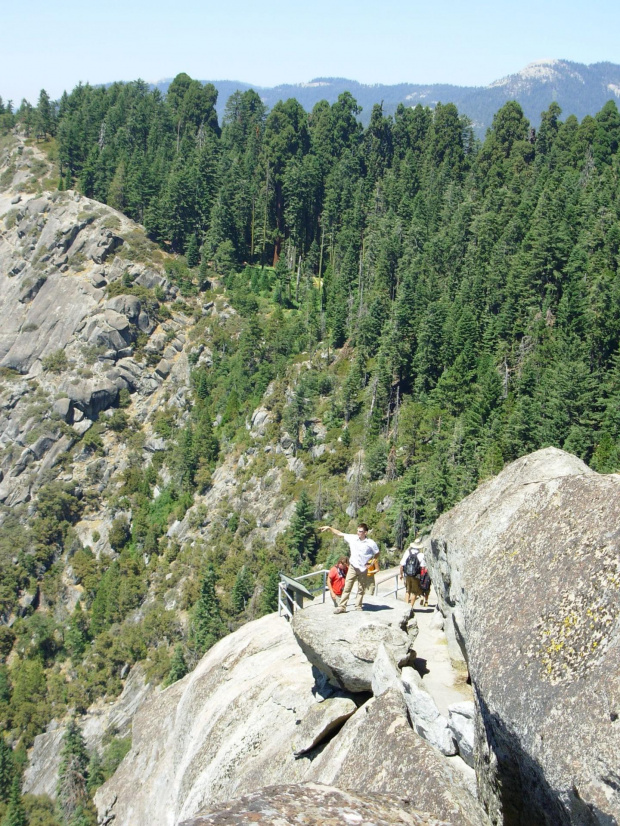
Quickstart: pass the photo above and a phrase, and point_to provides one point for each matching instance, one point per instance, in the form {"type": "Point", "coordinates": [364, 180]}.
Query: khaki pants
{"type": "Point", "coordinates": [364, 583]}
{"type": "Point", "coordinates": [414, 590]}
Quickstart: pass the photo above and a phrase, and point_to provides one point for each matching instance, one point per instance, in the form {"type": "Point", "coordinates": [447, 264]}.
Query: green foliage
{"type": "Point", "coordinates": [269, 595]}
{"type": "Point", "coordinates": [74, 804]}
{"type": "Point", "coordinates": [207, 623]}
{"type": "Point", "coordinates": [7, 770]}
{"type": "Point", "coordinates": [118, 421]}
{"type": "Point", "coordinates": [303, 540]}
{"type": "Point", "coordinates": [119, 533]}
{"type": "Point", "coordinates": [178, 665]}
{"type": "Point", "coordinates": [115, 750]}
{"type": "Point", "coordinates": [15, 814]}
{"type": "Point", "coordinates": [242, 590]}
{"type": "Point", "coordinates": [40, 810]}
{"type": "Point", "coordinates": [440, 305]}
{"type": "Point", "coordinates": [56, 362]}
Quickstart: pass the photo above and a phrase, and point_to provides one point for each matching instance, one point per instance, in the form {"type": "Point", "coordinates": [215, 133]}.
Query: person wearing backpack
{"type": "Point", "coordinates": [410, 570]}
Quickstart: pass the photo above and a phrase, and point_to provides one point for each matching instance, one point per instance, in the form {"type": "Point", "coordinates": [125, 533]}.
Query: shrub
{"type": "Point", "coordinates": [118, 421]}
{"type": "Point", "coordinates": [56, 362]}
{"type": "Point", "coordinates": [120, 533]}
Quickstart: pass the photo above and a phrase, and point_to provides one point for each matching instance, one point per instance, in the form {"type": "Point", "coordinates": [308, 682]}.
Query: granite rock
{"type": "Point", "coordinates": [527, 572]}
{"type": "Point", "coordinates": [349, 664]}
{"type": "Point", "coordinates": [311, 804]}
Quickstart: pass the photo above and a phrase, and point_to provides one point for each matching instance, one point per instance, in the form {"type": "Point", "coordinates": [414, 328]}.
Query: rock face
{"type": "Point", "coordinates": [313, 805]}
{"type": "Point", "coordinates": [226, 729]}
{"type": "Point", "coordinates": [41, 775]}
{"type": "Point", "coordinates": [424, 714]}
{"type": "Point", "coordinates": [378, 752]}
{"type": "Point", "coordinates": [461, 723]}
{"type": "Point", "coordinates": [321, 721]}
{"type": "Point", "coordinates": [255, 713]}
{"type": "Point", "coordinates": [527, 571]}
{"type": "Point", "coordinates": [349, 664]}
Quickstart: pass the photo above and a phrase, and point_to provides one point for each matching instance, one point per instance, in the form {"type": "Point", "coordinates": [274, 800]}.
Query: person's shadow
{"type": "Point", "coordinates": [369, 607]}
{"type": "Point", "coordinates": [420, 665]}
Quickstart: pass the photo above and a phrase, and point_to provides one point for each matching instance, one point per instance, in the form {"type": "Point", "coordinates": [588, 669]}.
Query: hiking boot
{"type": "Point", "coordinates": [359, 608]}
{"type": "Point", "coordinates": [340, 610]}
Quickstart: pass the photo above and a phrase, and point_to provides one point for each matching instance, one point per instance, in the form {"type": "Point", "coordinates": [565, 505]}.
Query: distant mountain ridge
{"type": "Point", "coordinates": [578, 88]}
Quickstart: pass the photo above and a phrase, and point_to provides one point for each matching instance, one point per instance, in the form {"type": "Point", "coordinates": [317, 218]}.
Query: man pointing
{"type": "Point", "coordinates": [362, 550]}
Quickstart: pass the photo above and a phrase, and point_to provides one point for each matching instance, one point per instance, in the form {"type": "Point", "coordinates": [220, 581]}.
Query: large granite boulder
{"type": "Point", "coordinates": [527, 571]}
{"type": "Point", "coordinates": [345, 646]}
{"type": "Point", "coordinates": [378, 752]}
{"type": "Point", "coordinates": [255, 713]}
{"type": "Point", "coordinates": [92, 397]}
{"type": "Point", "coordinates": [314, 805]}
{"type": "Point", "coordinates": [229, 727]}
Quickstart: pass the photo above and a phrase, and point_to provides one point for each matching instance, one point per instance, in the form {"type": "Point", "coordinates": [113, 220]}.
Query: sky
{"type": "Point", "coordinates": [472, 43]}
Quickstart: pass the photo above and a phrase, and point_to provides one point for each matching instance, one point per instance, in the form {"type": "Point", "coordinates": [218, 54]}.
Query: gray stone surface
{"type": "Point", "coordinates": [92, 397]}
{"type": "Point", "coordinates": [63, 408]}
{"type": "Point", "coordinates": [461, 723]}
{"type": "Point", "coordinates": [378, 752]}
{"type": "Point", "coordinates": [321, 720]}
{"type": "Point", "coordinates": [349, 663]}
{"type": "Point", "coordinates": [424, 714]}
{"type": "Point", "coordinates": [311, 804]}
{"type": "Point", "coordinates": [385, 672]}
{"type": "Point", "coordinates": [224, 730]}
{"type": "Point", "coordinates": [82, 426]}
{"type": "Point", "coordinates": [527, 570]}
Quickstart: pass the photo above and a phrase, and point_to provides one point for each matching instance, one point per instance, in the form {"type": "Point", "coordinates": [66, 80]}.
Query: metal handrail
{"type": "Point", "coordinates": [288, 606]}
{"type": "Point", "coordinates": [284, 597]}
{"type": "Point", "coordinates": [398, 586]}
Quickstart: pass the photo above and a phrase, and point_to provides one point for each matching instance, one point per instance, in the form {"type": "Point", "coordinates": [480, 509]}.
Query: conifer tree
{"type": "Point", "coordinates": [74, 804]}
{"type": "Point", "coordinates": [193, 252]}
{"type": "Point", "coordinates": [302, 534]}
{"type": "Point", "coordinates": [269, 596]}
{"type": "Point", "coordinates": [242, 589]}
{"type": "Point", "coordinates": [76, 636]}
{"type": "Point", "coordinates": [7, 769]}
{"type": "Point", "coordinates": [178, 665]}
{"type": "Point", "coordinates": [15, 814]}
{"type": "Point", "coordinates": [208, 626]}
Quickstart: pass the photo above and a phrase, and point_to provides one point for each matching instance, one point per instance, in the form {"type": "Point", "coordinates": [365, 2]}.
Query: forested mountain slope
{"type": "Point", "coordinates": [578, 88]}
{"type": "Point", "coordinates": [341, 323]}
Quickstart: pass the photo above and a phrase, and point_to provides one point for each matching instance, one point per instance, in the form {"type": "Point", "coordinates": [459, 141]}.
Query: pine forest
{"type": "Point", "coordinates": [437, 304]}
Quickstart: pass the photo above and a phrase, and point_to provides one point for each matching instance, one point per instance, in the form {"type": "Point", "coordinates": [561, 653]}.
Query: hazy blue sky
{"type": "Point", "coordinates": [453, 41]}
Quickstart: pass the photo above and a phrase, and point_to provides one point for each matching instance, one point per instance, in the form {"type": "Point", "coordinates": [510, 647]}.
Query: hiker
{"type": "Point", "coordinates": [362, 550]}
{"type": "Point", "coordinates": [336, 577]}
{"type": "Point", "coordinates": [411, 566]}
{"type": "Point", "coordinates": [425, 581]}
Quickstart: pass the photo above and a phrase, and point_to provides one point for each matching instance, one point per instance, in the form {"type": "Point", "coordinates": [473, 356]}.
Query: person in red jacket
{"type": "Point", "coordinates": [336, 577]}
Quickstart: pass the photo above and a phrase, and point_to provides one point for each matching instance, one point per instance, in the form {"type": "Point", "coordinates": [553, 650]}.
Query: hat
{"type": "Point", "coordinates": [417, 543]}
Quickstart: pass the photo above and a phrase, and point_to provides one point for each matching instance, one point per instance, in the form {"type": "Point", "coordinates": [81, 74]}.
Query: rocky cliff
{"type": "Point", "coordinates": [256, 713]}
{"type": "Point", "coordinates": [528, 570]}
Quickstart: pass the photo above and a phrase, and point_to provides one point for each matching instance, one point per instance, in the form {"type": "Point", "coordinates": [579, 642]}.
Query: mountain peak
{"type": "Point", "coordinates": [545, 70]}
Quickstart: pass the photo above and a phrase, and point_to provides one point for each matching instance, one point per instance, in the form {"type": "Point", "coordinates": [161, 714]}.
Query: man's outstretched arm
{"type": "Point", "coordinates": [335, 531]}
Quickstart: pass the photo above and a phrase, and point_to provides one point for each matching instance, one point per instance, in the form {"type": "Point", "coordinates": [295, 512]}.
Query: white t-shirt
{"type": "Point", "coordinates": [413, 551]}
{"type": "Point", "coordinates": [362, 550]}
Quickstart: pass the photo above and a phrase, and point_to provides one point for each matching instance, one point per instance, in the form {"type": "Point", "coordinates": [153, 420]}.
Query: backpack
{"type": "Point", "coordinates": [425, 580]}
{"type": "Point", "coordinates": [412, 565]}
